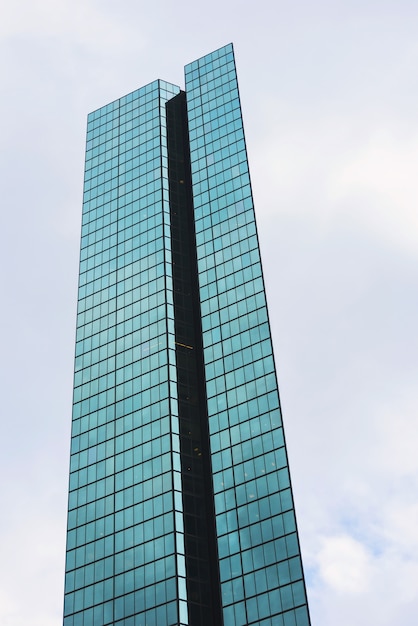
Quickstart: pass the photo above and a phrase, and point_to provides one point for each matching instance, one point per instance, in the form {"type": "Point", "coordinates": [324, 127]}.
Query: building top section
{"type": "Point", "coordinates": [146, 93]}
{"type": "Point", "coordinates": [210, 61]}
{"type": "Point", "coordinates": [216, 57]}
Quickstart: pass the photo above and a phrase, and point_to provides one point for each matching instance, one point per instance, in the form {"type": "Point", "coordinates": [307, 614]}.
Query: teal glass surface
{"type": "Point", "coordinates": [124, 548]}
{"type": "Point", "coordinates": [255, 520]}
{"type": "Point", "coordinates": [136, 546]}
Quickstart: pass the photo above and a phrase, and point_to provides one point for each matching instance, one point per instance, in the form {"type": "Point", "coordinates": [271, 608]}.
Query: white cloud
{"type": "Point", "coordinates": [362, 588]}
{"type": "Point", "coordinates": [363, 540]}
{"type": "Point", "coordinates": [344, 565]}
{"type": "Point", "coordinates": [401, 526]}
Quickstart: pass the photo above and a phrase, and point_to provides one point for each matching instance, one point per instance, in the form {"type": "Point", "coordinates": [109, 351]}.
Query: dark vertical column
{"type": "Point", "coordinates": [202, 569]}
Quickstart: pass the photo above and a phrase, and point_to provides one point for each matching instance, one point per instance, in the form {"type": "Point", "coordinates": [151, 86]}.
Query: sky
{"type": "Point", "coordinates": [329, 94]}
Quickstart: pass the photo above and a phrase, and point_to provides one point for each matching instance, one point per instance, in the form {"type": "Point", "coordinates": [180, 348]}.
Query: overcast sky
{"type": "Point", "coordinates": [329, 93]}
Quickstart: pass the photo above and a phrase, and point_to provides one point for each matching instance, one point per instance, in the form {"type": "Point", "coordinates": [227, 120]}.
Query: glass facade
{"type": "Point", "coordinates": [180, 506]}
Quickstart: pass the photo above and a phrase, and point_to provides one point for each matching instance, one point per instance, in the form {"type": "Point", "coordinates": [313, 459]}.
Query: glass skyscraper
{"type": "Point", "coordinates": [180, 505]}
